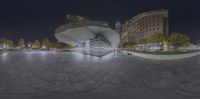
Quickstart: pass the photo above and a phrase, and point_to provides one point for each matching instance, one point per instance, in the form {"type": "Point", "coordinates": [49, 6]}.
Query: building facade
{"type": "Point", "coordinates": [142, 25]}
{"type": "Point", "coordinates": [118, 26]}
{"type": "Point", "coordinates": [90, 37]}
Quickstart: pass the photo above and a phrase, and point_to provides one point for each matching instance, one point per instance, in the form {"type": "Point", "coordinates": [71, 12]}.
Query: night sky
{"type": "Point", "coordinates": [37, 19]}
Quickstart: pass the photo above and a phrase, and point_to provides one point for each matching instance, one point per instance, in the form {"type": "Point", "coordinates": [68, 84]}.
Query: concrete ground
{"type": "Point", "coordinates": [70, 75]}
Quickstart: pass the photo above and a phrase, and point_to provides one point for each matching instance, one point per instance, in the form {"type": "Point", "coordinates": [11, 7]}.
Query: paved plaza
{"type": "Point", "coordinates": [70, 75]}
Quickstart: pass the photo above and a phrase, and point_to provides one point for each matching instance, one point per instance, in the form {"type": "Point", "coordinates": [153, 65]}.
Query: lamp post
{"type": "Point", "coordinates": [43, 47]}
{"type": "Point", "coordinates": [4, 46]}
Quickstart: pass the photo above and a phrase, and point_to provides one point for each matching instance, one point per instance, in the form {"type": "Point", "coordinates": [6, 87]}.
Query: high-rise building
{"type": "Point", "coordinates": [118, 26]}
{"type": "Point", "coordinates": [142, 25]}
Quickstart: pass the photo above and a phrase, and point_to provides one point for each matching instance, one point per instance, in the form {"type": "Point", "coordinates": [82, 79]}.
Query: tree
{"type": "Point", "coordinates": [129, 44]}
{"type": "Point", "coordinates": [36, 44]}
{"type": "Point", "coordinates": [53, 45]}
{"type": "Point", "coordinates": [21, 43]}
{"type": "Point", "coordinates": [68, 46]}
{"type": "Point", "coordinates": [157, 38]}
{"type": "Point", "coordinates": [45, 43]}
{"type": "Point", "coordinates": [2, 41]}
{"type": "Point", "coordinates": [64, 45]}
{"type": "Point", "coordinates": [142, 41]}
{"type": "Point", "coordinates": [7, 43]}
{"type": "Point", "coordinates": [177, 39]}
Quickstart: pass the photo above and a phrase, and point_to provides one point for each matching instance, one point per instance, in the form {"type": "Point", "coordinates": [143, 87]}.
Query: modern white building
{"type": "Point", "coordinates": [90, 37]}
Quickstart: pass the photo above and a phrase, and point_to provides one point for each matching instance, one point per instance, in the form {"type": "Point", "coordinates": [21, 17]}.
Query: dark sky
{"type": "Point", "coordinates": [37, 19]}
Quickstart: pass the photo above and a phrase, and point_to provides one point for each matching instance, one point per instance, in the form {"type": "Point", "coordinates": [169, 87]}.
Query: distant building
{"type": "Point", "coordinates": [142, 25]}
{"type": "Point", "coordinates": [118, 26]}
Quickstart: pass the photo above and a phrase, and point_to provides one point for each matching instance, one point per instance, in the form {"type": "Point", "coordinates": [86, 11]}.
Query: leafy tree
{"type": "Point", "coordinates": [53, 45]}
{"type": "Point", "coordinates": [36, 44]}
{"type": "Point", "coordinates": [177, 39]}
{"type": "Point", "coordinates": [157, 38]}
{"type": "Point", "coordinates": [7, 43]}
{"type": "Point", "coordinates": [21, 43]}
{"type": "Point", "coordinates": [64, 45]}
{"type": "Point", "coordinates": [2, 41]}
{"type": "Point", "coordinates": [68, 46]}
{"type": "Point", "coordinates": [10, 44]}
{"type": "Point", "coordinates": [129, 44]}
{"type": "Point", "coordinates": [46, 43]}
{"type": "Point", "coordinates": [142, 41]}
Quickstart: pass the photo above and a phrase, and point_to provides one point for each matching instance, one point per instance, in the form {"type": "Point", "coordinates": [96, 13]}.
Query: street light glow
{"type": "Point", "coordinates": [43, 47]}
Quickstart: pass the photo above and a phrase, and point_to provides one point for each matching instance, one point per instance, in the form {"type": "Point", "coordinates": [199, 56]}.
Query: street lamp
{"type": "Point", "coordinates": [29, 45]}
{"type": "Point", "coordinates": [43, 47]}
{"type": "Point", "coordinates": [4, 46]}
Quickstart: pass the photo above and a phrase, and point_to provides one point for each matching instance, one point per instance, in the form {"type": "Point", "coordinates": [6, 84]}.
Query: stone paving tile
{"type": "Point", "coordinates": [25, 89]}
{"type": "Point", "coordinates": [92, 71]}
{"type": "Point", "coordinates": [47, 75]}
{"type": "Point", "coordinates": [67, 87]}
{"type": "Point", "coordinates": [59, 69]}
{"type": "Point", "coordinates": [45, 86]}
{"type": "Point", "coordinates": [97, 76]}
{"type": "Point", "coordinates": [61, 77]}
{"type": "Point", "coordinates": [82, 76]}
{"type": "Point", "coordinates": [35, 80]}
{"type": "Point", "coordinates": [85, 85]}
{"type": "Point", "coordinates": [67, 73]}
{"type": "Point", "coordinates": [73, 78]}
{"type": "Point", "coordinates": [67, 69]}
{"type": "Point", "coordinates": [105, 88]}
{"type": "Point", "coordinates": [111, 79]}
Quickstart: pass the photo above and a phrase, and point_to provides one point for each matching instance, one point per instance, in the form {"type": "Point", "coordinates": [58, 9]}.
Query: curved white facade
{"type": "Point", "coordinates": [90, 37]}
{"type": "Point", "coordinates": [77, 36]}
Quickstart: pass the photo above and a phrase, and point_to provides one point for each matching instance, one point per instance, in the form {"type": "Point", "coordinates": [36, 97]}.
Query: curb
{"type": "Point", "coordinates": [163, 57]}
